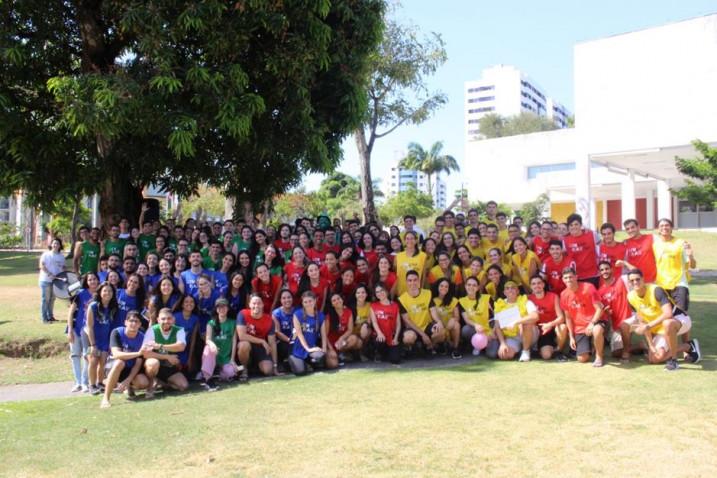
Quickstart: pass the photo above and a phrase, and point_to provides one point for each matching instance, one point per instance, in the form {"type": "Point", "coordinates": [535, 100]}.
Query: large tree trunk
{"type": "Point", "coordinates": [119, 198]}
{"type": "Point", "coordinates": [367, 204]}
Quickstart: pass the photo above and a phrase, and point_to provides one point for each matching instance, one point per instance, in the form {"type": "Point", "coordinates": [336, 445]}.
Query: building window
{"type": "Point", "coordinates": [4, 209]}
{"type": "Point", "coordinates": [533, 171]}
{"type": "Point", "coordinates": [480, 99]}
{"type": "Point", "coordinates": [473, 121]}
{"type": "Point", "coordinates": [481, 88]}
{"type": "Point", "coordinates": [473, 131]}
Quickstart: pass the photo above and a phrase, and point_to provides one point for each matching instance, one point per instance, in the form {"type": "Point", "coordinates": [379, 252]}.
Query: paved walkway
{"type": "Point", "coordinates": [43, 391]}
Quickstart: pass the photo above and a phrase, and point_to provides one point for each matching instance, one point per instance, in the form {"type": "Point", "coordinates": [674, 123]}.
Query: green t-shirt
{"type": "Point", "coordinates": [209, 264]}
{"type": "Point", "coordinates": [242, 245]}
{"type": "Point", "coordinates": [115, 247]}
{"type": "Point", "coordinates": [171, 338]}
{"type": "Point", "coordinates": [145, 243]}
{"type": "Point", "coordinates": [90, 257]}
{"type": "Point", "coordinates": [223, 338]}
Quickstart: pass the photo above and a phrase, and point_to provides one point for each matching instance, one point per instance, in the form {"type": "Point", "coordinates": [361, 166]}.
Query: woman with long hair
{"type": "Point", "coordinates": [165, 296]}
{"type": "Point", "coordinates": [267, 286]}
{"type": "Point", "coordinates": [444, 307]}
{"type": "Point", "coordinates": [186, 318]}
{"type": "Point", "coordinates": [342, 340]}
{"type": "Point", "coordinates": [310, 328]}
{"type": "Point", "coordinates": [75, 326]}
{"type": "Point", "coordinates": [496, 281]}
{"type": "Point", "coordinates": [132, 297]}
{"type": "Point", "coordinates": [362, 317]}
{"type": "Point", "coordinates": [447, 244]}
{"type": "Point", "coordinates": [384, 275]}
{"type": "Point", "coordinates": [311, 280]}
{"type": "Point", "coordinates": [284, 324]}
{"type": "Point", "coordinates": [476, 309]}
{"type": "Point", "coordinates": [430, 247]}
{"type": "Point", "coordinates": [273, 260]}
{"type": "Point", "coordinates": [101, 312]}
{"type": "Point", "coordinates": [445, 269]}
{"type": "Point", "coordinates": [153, 274]}
{"type": "Point", "coordinates": [410, 259]}
{"type": "Point", "coordinates": [244, 265]}
{"type": "Point", "coordinates": [236, 292]}
{"type": "Point", "coordinates": [293, 272]}
{"type": "Point", "coordinates": [330, 269]}
{"type": "Point", "coordinates": [220, 346]}
{"type": "Point", "coordinates": [495, 257]}
{"type": "Point", "coordinates": [52, 262]}
{"type": "Point", "coordinates": [221, 277]}
{"type": "Point", "coordinates": [525, 264]}
{"type": "Point", "coordinates": [385, 322]}
{"type": "Point", "coordinates": [366, 249]}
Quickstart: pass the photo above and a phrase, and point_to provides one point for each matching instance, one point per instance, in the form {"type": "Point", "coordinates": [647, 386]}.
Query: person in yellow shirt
{"type": "Point", "coordinates": [522, 335]}
{"type": "Point", "coordinates": [491, 209]}
{"type": "Point", "coordinates": [525, 264]}
{"type": "Point", "coordinates": [660, 322]}
{"type": "Point", "coordinates": [495, 257]}
{"type": "Point", "coordinates": [410, 259]}
{"type": "Point", "coordinates": [473, 243]}
{"type": "Point", "coordinates": [476, 309]}
{"type": "Point", "coordinates": [444, 307]}
{"type": "Point", "coordinates": [491, 239]}
{"type": "Point", "coordinates": [502, 220]}
{"type": "Point", "coordinates": [414, 306]}
{"type": "Point", "coordinates": [673, 259]}
{"type": "Point", "coordinates": [445, 269]}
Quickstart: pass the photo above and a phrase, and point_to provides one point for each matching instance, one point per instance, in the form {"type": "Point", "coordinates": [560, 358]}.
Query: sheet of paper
{"type": "Point", "coordinates": [507, 318]}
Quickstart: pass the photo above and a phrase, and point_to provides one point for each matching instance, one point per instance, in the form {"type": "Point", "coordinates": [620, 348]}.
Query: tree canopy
{"type": "Point", "coordinates": [429, 161]}
{"type": "Point", "coordinates": [704, 169]}
{"type": "Point", "coordinates": [411, 201]}
{"type": "Point", "coordinates": [496, 126]}
{"type": "Point", "coordinates": [110, 96]}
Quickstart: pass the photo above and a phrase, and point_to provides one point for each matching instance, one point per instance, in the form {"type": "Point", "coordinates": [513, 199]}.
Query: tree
{"type": "Point", "coordinates": [702, 192]}
{"type": "Point", "coordinates": [289, 206]}
{"type": "Point", "coordinates": [244, 96]}
{"type": "Point", "coordinates": [496, 126]}
{"type": "Point", "coordinates": [340, 195]}
{"type": "Point", "coordinates": [207, 200]}
{"type": "Point", "coordinates": [397, 94]}
{"type": "Point", "coordinates": [411, 201]}
{"type": "Point", "coordinates": [429, 162]}
{"type": "Point", "coordinates": [535, 210]}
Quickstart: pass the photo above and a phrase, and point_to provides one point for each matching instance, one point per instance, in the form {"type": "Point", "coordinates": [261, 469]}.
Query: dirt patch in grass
{"type": "Point", "coordinates": [32, 348]}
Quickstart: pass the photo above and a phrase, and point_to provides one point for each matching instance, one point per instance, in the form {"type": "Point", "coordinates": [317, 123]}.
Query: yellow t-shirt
{"type": "Point", "coordinates": [445, 311]}
{"type": "Point", "coordinates": [521, 267]}
{"type": "Point", "coordinates": [417, 308]}
{"type": "Point", "coordinates": [503, 304]}
{"type": "Point", "coordinates": [404, 263]}
{"type": "Point", "coordinates": [477, 311]}
{"type": "Point", "coordinates": [648, 308]}
{"type": "Point", "coordinates": [487, 245]}
{"type": "Point", "coordinates": [481, 276]}
{"type": "Point", "coordinates": [670, 260]}
{"type": "Point", "coordinates": [362, 314]}
{"type": "Point", "coordinates": [436, 273]}
{"type": "Point", "coordinates": [475, 251]}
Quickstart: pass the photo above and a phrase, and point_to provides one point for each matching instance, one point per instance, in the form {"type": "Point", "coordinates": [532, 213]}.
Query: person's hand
{"type": "Point", "coordinates": [589, 329]}
{"type": "Point", "coordinates": [573, 345]}
{"type": "Point", "coordinates": [70, 335]}
{"type": "Point", "coordinates": [145, 207]}
{"type": "Point", "coordinates": [641, 329]}
{"type": "Point", "coordinates": [212, 347]}
{"type": "Point", "coordinates": [438, 326]}
{"type": "Point", "coordinates": [122, 386]}
{"type": "Point", "coordinates": [173, 359]}
{"type": "Point", "coordinates": [546, 327]}
{"type": "Point", "coordinates": [479, 329]}
{"type": "Point", "coordinates": [314, 349]}
{"type": "Point", "coordinates": [426, 340]}
{"type": "Point", "coordinates": [688, 250]}
{"type": "Point", "coordinates": [150, 346]}
{"type": "Point", "coordinates": [380, 338]}
{"type": "Point", "coordinates": [265, 344]}
{"type": "Point", "coordinates": [503, 349]}
{"type": "Point", "coordinates": [619, 263]}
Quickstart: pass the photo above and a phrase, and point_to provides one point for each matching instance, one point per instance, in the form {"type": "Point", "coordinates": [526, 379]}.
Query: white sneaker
{"type": "Point", "coordinates": [76, 388]}
{"type": "Point", "coordinates": [524, 356]}
{"type": "Point", "coordinates": [476, 352]}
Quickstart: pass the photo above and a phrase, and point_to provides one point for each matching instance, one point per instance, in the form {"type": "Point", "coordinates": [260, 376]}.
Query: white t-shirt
{"type": "Point", "coordinates": [54, 262]}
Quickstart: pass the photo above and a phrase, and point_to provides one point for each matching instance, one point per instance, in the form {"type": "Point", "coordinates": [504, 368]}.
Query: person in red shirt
{"type": "Point", "coordinates": [639, 253]}
{"type": "Point", "coordinates": [541, 243]}
{"type": "Point", "coordinates": [555, 264]}
{"type": "Point", "coordinates": [610, 250]}
{"type": "Point", "coordinates": [363, 272]}
{"type": "Point", "coordinates": [311, 280]}
{"type": "Point", "coordinates": [317, 253]}
{"type": "Point", "coordinates": [366, 249]}
{"type": "Point", "coordinates": [282, 243]}
{"type": "Point", "coordinates": [551, 320]}
{"type": "Point", "coordinates": [581, 244]}
{"type": "Point", "coordinates": [385, 275]}
{"type": "Point", "coordinates": [384, 319]}
{"type": "Point", "coordinates": [583, 313]}
{"type": "Point", "coordinates": [613, 294]}
{"type": "Point", "coordinates": [329, 270]}
{"type": "Point", "coordinates": [293, 271]}
{"type": "Point", "coordinates": [257, 339]}
{"type": "Point", "coordinates": [340, 334]}
{"type": "Point", "coordinates": [266, 286]}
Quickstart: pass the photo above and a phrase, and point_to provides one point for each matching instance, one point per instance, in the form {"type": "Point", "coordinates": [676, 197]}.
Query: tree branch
{"type": "Point", "coordinates": [389, 131]}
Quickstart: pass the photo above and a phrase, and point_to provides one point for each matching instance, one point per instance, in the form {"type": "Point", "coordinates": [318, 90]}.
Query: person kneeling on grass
{"type": "Point", "coordinates": [444, 308]}
{"type": "Point", "coordinates": [613, 294]}
{"type": "Point", "coordinates": [660, 322]}
{"type": "Point", "coordinates": [583, 313]}
{"type": "Point", "coordinates": [126, 346]}
{"type": "Point", "coordinates": [551, 320]}
{"type": "Point", "coordinates": [162, 344]}
{"type": "Point", "coordinates": [384, 319]}
{"type": "Point", "coordinates": [257, 339]}
{"type": "Point", "coordinates": [477, 312]}
{"type": "Point", "coordinates": [309, 329]}
{"type": "Point", "coordinates": [342, 340]}
{"type": "Point", "coordinates": [220, 347]}
{"type": "Point", "coordinates": [523, 334]}
{"type": "Point", "coordinates": [415, 306]}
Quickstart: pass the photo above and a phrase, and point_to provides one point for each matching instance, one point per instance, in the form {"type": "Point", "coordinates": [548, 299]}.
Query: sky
{"type": "Point", "coordinates": [536, 37]}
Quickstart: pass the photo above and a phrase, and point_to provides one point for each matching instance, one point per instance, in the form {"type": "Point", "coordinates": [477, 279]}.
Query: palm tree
{"type": "Point", "coordinates": [429, 162]}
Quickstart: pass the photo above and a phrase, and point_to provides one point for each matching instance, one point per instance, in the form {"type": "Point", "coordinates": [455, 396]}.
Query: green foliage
{"type": "Point", "coordinates": [535, 210]}
{"type": "Point", "coordinates": [429, 162]}
{"type": "Point", "coordinates": [9, 236]}
{"type": "Point", "coordinates": [410, 201]}
{"type": "Point", "coordinates": [704, 169]}
{"type": "Point", "coordinates": [207, 200]}
{"type": "Point", "coordinates": [339, 195]}
{"type": "Point", "coordinates": [110, 96]}
{"type": "Point", "coordinates": [60, 225]}
{"type": "Point", "coordinates": [480, 206]}
{"type": "Point", "coordinates": [495, 126]}
{"type": "Point", "coordinates": [289, 206]}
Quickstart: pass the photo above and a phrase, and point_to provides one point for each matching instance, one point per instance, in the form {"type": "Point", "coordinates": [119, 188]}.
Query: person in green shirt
{"type": "Point", "coordinates": [87, 253]}
{"type": "Point", "coordinates": [113, 244]}
{"type": "Point", "coordinates": [213, 260]}
{"type": "Point", "coordinates": [163, 342]}
{"type": "Point", "coordinates": [146, 240]}
{"type": "Point", "coordinates": [220, 348]}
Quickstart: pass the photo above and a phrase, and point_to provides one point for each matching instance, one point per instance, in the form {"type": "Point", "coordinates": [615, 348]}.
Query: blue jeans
{"type": "Point", "coordinates": [79, 364]}
{"type": "Point", "coordinates": [47, 303]}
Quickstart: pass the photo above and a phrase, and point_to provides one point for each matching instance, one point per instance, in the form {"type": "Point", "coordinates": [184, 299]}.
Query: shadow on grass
{"type": "Point", "coordinates": [18, 263]}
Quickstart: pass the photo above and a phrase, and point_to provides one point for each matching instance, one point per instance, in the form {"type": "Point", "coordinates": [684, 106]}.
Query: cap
{"type": "Point", "coordinates": [510, 283]}
{"type": "Point", "coordinates": [221, 301]}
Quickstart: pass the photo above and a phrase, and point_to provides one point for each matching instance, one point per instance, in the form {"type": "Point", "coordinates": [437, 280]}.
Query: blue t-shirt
{"type": "Point", "coordinates": [151, 281]}
{"type": "Point", "coordinates": [125, 303]}
{"type": "Point", "coordinates": [102, 325]}
{"type": "Point", "coordinates": [82, 299]}
{"type": "Point", "coordinates": [286, 321]}
{"type": "Point", "coordinates": [119, 339]}
{"type": "Point", "coordinates": [236, 302]}
{"type": "Point", "coordinates": [190, 280]}
{"type": "Point", "coordinates": [173, 299]}
{"type": "Point", "coordinates": [311, 328]}
{"type": "Point", "coordinates": [221, 283]}
{"type": "Point", "coordinates": [205, 309]}
{"type": "Point", "coordinates": [188, 326]}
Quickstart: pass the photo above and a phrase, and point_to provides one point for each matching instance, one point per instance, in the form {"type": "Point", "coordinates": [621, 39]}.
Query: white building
{"type": "Point", "coordinates": [399, 180]}
{"type": "Point", "coordinates": [641, 98]}
{"type": "Point", "coordinates": [507, 91]}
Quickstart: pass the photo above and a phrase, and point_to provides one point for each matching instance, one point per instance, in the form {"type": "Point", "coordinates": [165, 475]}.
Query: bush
{"type": "Point", "coordinates": [9, 236]}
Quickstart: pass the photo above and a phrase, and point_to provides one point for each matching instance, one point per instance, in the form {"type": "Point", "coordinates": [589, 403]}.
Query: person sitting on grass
{"type": "Point", "coordinates": [125, 373]}
{"type": "Point", "coordinates": [342, 340]}
{"type": "Point", "coordinates": [523, 334]}
{"type": "Point", "coordinates": [613, 294]}
{"type": "Point", "coordinates": [162, 344]}
{"type": "Point", "coordinates": [551, 320]}
{"type": "Point", "coordinates": [220, 347]}
{"type": "Point", "coordinates": [660, 322]}
{"type": "Point", "coordinates": [384, 319]}
{"type": "Point", "coordinates": [584, 317]}
{"type": "Point", "coordinates": [415, 306]}
{"type": "Point", "coordinates": [476, 309]}
{"type": "Point", "coordinates": [444, 307]}
{"type": "Point", "coordinates": [284, 326]}
{"type": "Point", "coordinates": [257, 339]}
{"type": "Point", "coordinates": [100, 315]}
{"type": "Point", "coordinates": [310, 330]}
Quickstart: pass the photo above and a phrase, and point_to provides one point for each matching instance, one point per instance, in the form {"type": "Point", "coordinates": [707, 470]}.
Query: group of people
{"type": "Point", "coordinates": [170, 303]}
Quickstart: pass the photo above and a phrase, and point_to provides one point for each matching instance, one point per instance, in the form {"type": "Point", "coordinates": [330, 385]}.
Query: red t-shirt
{"type": "Point", "coordinates": [545, 306]}
{"type": "Point", "coordinates": [330, 277]}
{"type": "Point", "coordinates": [579, 306]}
{"type": "Point", "coordinates": [267, 291]}
{"type": "Point", "coordinates": [343, 265]}
{"type": "Point", "coordinates": [390, 280]}
{"type": "Point", "coordinates": [360, 278]}
{"type": "Point", "coordinates": [260, 328]}
{"type": "Point", "coordinates": [282, 246]}
{"type": "Point", "coordinates": [640, 254]}
{"type": "Point", "coordinates": [317, 256]}
{"type": "Point", "coordinates": [615, 297]}
{"type": "Point", "coordinates": [320, 291]}
{"type": "Point", "coordinates": [582, 248]}
{"type": "Point", "coordinates": [554, 272]}
{"type": "Point", "coordinates": [371, 258]}
{"type": "Point", "coordinates": [335, 334]}
{"type": "Point", "coordinates": [612, 253]}
{"type": "Point", "coordinates": [293, 277]}
{"type": "Point", "coordinates": [386, 318]}
{"type": "Point", "coordinates": [540, 247]}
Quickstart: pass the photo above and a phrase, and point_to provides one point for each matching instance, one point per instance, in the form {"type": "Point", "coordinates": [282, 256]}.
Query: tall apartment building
{"type": "Point", "coordinates": [507, 91]}
{"type": "Point", "coordinates": [399, 180]}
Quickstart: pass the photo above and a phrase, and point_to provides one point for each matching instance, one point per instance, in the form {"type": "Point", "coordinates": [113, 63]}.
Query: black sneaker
{"type": "Point", "coordinates": [95, 390]}
{"type": "Point", "coordinates": [244, 376]}
{"type": "Point", "coordinates": [456, 354]}
{"type": "Point", "coordinates": [342, 359]}
{"type": "Point", "coordinates": [671, 365]}
{"type": "Point", "coordinates": [209, 385]}
{"type": "Point", "coordinates": [695, 354]}
{"type": "Point", "coordinates": [560, 357]}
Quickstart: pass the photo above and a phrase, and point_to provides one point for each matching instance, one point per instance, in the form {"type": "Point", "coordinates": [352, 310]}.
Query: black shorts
{"type": "Point", "coordinates": [258, 354]}
{"type": "Point", "coordinates": [166, 370]}
{"type": "Point", "coordinates": [283, 349]}
{"type": "Point", "coordinates": [681, 297]}
{"type": "Point", "coordinates": [125, 373]}
{"type": "Point", "coordinates": [548, 340]}
{"type": "Point", "coordinates": [428, 331]}
{"type": "Point", "coordinates": [592, 280]}
{"type": "Point", "coordinates": [584, 343]}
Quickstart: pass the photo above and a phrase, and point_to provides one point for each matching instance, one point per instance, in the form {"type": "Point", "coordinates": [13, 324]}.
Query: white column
{"type": "Point", "coordinates": [228, 208]}
{"type": "Point", "coordinates": [650, 209]}
{"type": "Point", "coordinates": [18, 210]}
{"type": "Point", "coordinates": [583, 196]}
{"type": "Point", "coordinates": [676, 208]}
{"type": "Point", "coordinates": [95, 209]}
{"type": "Point", "coordinates": [627, 193]}
{"type": "Point", "coordinates": [593, 224]}
{"type": "Point", "coordinates": [664, 200]}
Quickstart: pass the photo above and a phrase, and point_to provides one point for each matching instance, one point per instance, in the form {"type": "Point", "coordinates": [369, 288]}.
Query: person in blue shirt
{"type": "Point", "coordinates": [100, 314]}
{"type": "Point", "coordinates": [75, 326]}
{"type": "Point", "coordinates": [284, 324]}
{"type": "Point", "coordinates": [126, 371]}
{"type": "Point", "coordinates": [237, 292]}
{"type": "Point", "coordinates": [187, 319]}
{"type": "Point", "coordinates": [310, 329]}
{"type": "Point", "coordinates": [221, 276]}
{"type": "Point", "coordinates": [129, 298]}
{"type": "Point", "coordinates": [206, 298]}
{"type": "Point", "coordinates": [191, 275]}
{"type": "Point", "coordinates": [165, 295]}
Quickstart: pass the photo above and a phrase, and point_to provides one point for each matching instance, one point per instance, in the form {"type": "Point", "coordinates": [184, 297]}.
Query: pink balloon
{"type": "Point", "coordinates": [479, 341]}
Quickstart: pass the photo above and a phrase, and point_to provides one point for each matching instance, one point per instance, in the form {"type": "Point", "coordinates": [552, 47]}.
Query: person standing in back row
{"type": "Point", "coordinates": [52, 262]}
